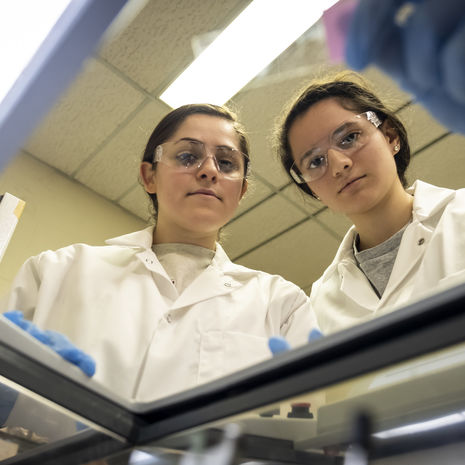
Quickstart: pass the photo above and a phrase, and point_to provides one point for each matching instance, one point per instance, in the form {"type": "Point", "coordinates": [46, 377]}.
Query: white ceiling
{"type": "Point", "coordinates": [97, 132]}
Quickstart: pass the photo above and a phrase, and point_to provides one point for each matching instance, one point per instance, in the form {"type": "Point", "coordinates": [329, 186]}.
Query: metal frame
{"type": "Point", "coordinates": [417, 329]}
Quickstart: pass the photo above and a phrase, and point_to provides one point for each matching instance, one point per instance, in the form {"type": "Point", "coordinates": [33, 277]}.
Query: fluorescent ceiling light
{"type": "Point", "coordinates": [24, 24]}
{"type": "Point", "coordinates": [253, 40]}
{"type": "Point", "coordinates": [447, 420]}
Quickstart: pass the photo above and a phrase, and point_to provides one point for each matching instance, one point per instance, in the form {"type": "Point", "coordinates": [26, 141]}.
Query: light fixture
{"type": "Point", "coordinates": [253, 40]}
{"type": "Point", "coordinates": [428, 425]}
{"type": "Point", "coordinates": [24, 24]}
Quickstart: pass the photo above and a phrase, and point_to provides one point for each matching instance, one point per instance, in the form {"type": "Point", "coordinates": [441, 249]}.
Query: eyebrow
{"type": "Point", "coordinates": [188, 139]}
{"type": "Point", "coordinates": [191, 139]}
{"type": "Point", "coordinates": [337, 131]}
{"type": "Point", "coordinates": [343, 127]}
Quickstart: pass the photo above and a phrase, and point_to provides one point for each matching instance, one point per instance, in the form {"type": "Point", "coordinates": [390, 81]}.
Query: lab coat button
{"type": "Point", "coordinates": [228, 284]}
{"type": "Point", "coordinates": [168, 318]}
{"type": "Point", "coordinates": [421, 241]}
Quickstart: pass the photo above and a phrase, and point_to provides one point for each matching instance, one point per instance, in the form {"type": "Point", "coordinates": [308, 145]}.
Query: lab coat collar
{"type": "Point", "coordinates": [344, 254]}
{"type": "Point", "coordinates": [139, 239]}
{"type": "Point", "coordinates": [353, 282]}
{"type": "Point", "coordinates": [220, 278]}
{"type": "Point", "coordinates": [144, 239]}
{"type": "Point", "coordinates": [428, 199]}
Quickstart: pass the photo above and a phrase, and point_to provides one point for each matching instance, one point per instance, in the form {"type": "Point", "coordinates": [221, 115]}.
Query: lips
{"type": "Point", "coordinates": [349, 183]}
{"type": "Point", "coordinates": [205, 192]}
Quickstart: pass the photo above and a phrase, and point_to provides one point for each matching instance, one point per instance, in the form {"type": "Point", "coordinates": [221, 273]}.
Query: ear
{"type": "Point", "coordinates": [245, 184]}
{"type": "Point", "coordinates": [391, 136]}
{"type": "Point", "coordinates": [148, 176]}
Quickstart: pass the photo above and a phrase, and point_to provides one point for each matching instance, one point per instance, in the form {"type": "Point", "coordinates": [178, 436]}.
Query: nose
{"type": "Point", "coordinates": [338, 162]}
{"type": "Point", "coordinates": [208, 168]}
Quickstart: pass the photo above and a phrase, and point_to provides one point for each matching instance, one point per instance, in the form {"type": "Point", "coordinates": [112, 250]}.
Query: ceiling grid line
{"type": "Point", "coordinates": [110, 137]}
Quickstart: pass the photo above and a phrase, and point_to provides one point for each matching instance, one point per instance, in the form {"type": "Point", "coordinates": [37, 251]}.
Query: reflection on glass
{"type": "Point", "coordinates": [453, 419]}
{"type": "Point", "coordinates": [424, 395]}
{"type": "Point", "coordinates": [27, 422]}
{"type": "Point", "coordinates": [110, 135]}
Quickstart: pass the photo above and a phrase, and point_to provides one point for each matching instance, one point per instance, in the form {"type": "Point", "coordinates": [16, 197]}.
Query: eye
{"type": "Point", "coordinates": [228, 162]}
{"type": "Point", "coordinates": [226, 166]}
{"type": "Point", "coordinates": [349, 139]}
{"type": "Point", "coordinates": [187, 158]}
{"type": "Point", "coordinates": [313, 162]}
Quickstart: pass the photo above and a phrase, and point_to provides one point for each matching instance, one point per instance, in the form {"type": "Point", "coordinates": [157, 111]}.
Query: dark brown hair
{"type": "Point", "coordinates": [171, 122]}
{"type": "Point", "coordinates": [353, 96]}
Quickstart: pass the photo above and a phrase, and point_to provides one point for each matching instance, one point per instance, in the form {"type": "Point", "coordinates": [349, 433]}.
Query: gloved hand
{"type": "Point", "coordinates": [421, 45]}
{"type": "Point", "coordinates": [278, 344]}
{"type": "Point", "coordinates": [56, 341]}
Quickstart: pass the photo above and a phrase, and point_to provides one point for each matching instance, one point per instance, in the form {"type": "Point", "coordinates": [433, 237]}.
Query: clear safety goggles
{"type": "Point", "coordinates": [189, 155]}
{"type": "Point", "coordinates": [348, 138]}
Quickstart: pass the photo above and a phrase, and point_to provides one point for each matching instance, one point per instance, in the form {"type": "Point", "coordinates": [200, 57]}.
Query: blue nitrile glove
{"type": "Point", "coordinates": [56, 341]}
{"type": "Point", "coordinates": [278, 344]}
{"type": "Point", "coordinates": [8, 398]}
{"type": "Point", "coordinates": [423, 50]}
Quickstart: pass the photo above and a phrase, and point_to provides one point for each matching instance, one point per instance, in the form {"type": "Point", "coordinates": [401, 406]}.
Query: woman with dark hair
{"type": "Point", "coordinates": [164, 309]}
{"type": "Point", "coordinates": [340, 144]}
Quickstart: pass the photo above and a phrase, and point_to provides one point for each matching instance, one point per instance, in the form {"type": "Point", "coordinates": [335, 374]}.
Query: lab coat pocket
{"type": "Point", "coordinates": [224, 352]}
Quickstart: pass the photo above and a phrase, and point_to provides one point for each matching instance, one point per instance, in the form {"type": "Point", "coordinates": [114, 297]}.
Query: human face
{"type": "Point", "coordinates": [352, 184]}
{"type": "Point", "coordinates": [197, 202]}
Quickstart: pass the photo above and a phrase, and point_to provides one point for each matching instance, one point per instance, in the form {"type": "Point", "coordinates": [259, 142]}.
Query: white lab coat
{"type": "Point", "coordinates": [117, 303]}
{"type": "Point", "coordinates": [431, 257]}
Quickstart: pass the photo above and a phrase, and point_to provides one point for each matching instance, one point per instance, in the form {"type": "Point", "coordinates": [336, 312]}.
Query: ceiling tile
{"type": "Point", "coordinates": [83, 118]}
{"type": "Point", "coordinates": [115, 168]}
{"type": "Point", "coordinates": [386, 88]}
{"type": "Point", "coordinates": [421, 127]}
{"type": "Point", "coordinates": [300, 255]}
{"type": "Point", "coordinates": [442, 164]}
{"type": "Point", "coordinates": [156, 46]}
{"type": "Point", "coordinates": [265, 162]}
{"type": "Point", "coordinates": [137, 202]}
{"type": "Point", "coordinates": [256, 193]}
{"type": "Point", "coordinates": [259, 224]}
{"type": "Point", "coordinates": [301, 199]}
{"type": "Point", "coordinates": [335, 223]}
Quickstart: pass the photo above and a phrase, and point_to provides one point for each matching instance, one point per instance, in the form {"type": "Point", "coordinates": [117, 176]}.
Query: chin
{"type": "Point", "coordinates": [206, 225]}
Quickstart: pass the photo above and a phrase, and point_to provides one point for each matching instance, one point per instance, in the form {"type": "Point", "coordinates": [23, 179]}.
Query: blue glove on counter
{"type": "Point", "coordinates": [56, 341]}
{"type": "Point", "coordinates": [278, 344]}
{"type": "Point", "coordinates": [421, 45]}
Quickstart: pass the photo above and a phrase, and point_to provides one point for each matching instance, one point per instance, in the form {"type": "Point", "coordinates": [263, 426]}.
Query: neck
{"type": "Point", "coordinates": [162, 235]}
{"type": "Point", "coordinates": [384, 220]}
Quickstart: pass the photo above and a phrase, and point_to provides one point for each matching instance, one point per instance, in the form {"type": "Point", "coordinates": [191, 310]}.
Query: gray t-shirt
{"type": "Point", "coordinates": [377, 262]}
{"type": "Point", "coordinates": [183, 262]}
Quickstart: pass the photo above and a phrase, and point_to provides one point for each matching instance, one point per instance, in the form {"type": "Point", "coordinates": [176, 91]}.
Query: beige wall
{"type": "Point", "coordinates": [58, 212]}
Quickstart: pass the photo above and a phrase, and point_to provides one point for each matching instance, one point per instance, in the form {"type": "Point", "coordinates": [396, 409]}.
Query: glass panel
{"type": "Point", "coordinates": [87, 138]}
{"type": "Point", "coordinates": [28, 421]}
{"type": "Point", "coordinates": [421, 398]}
